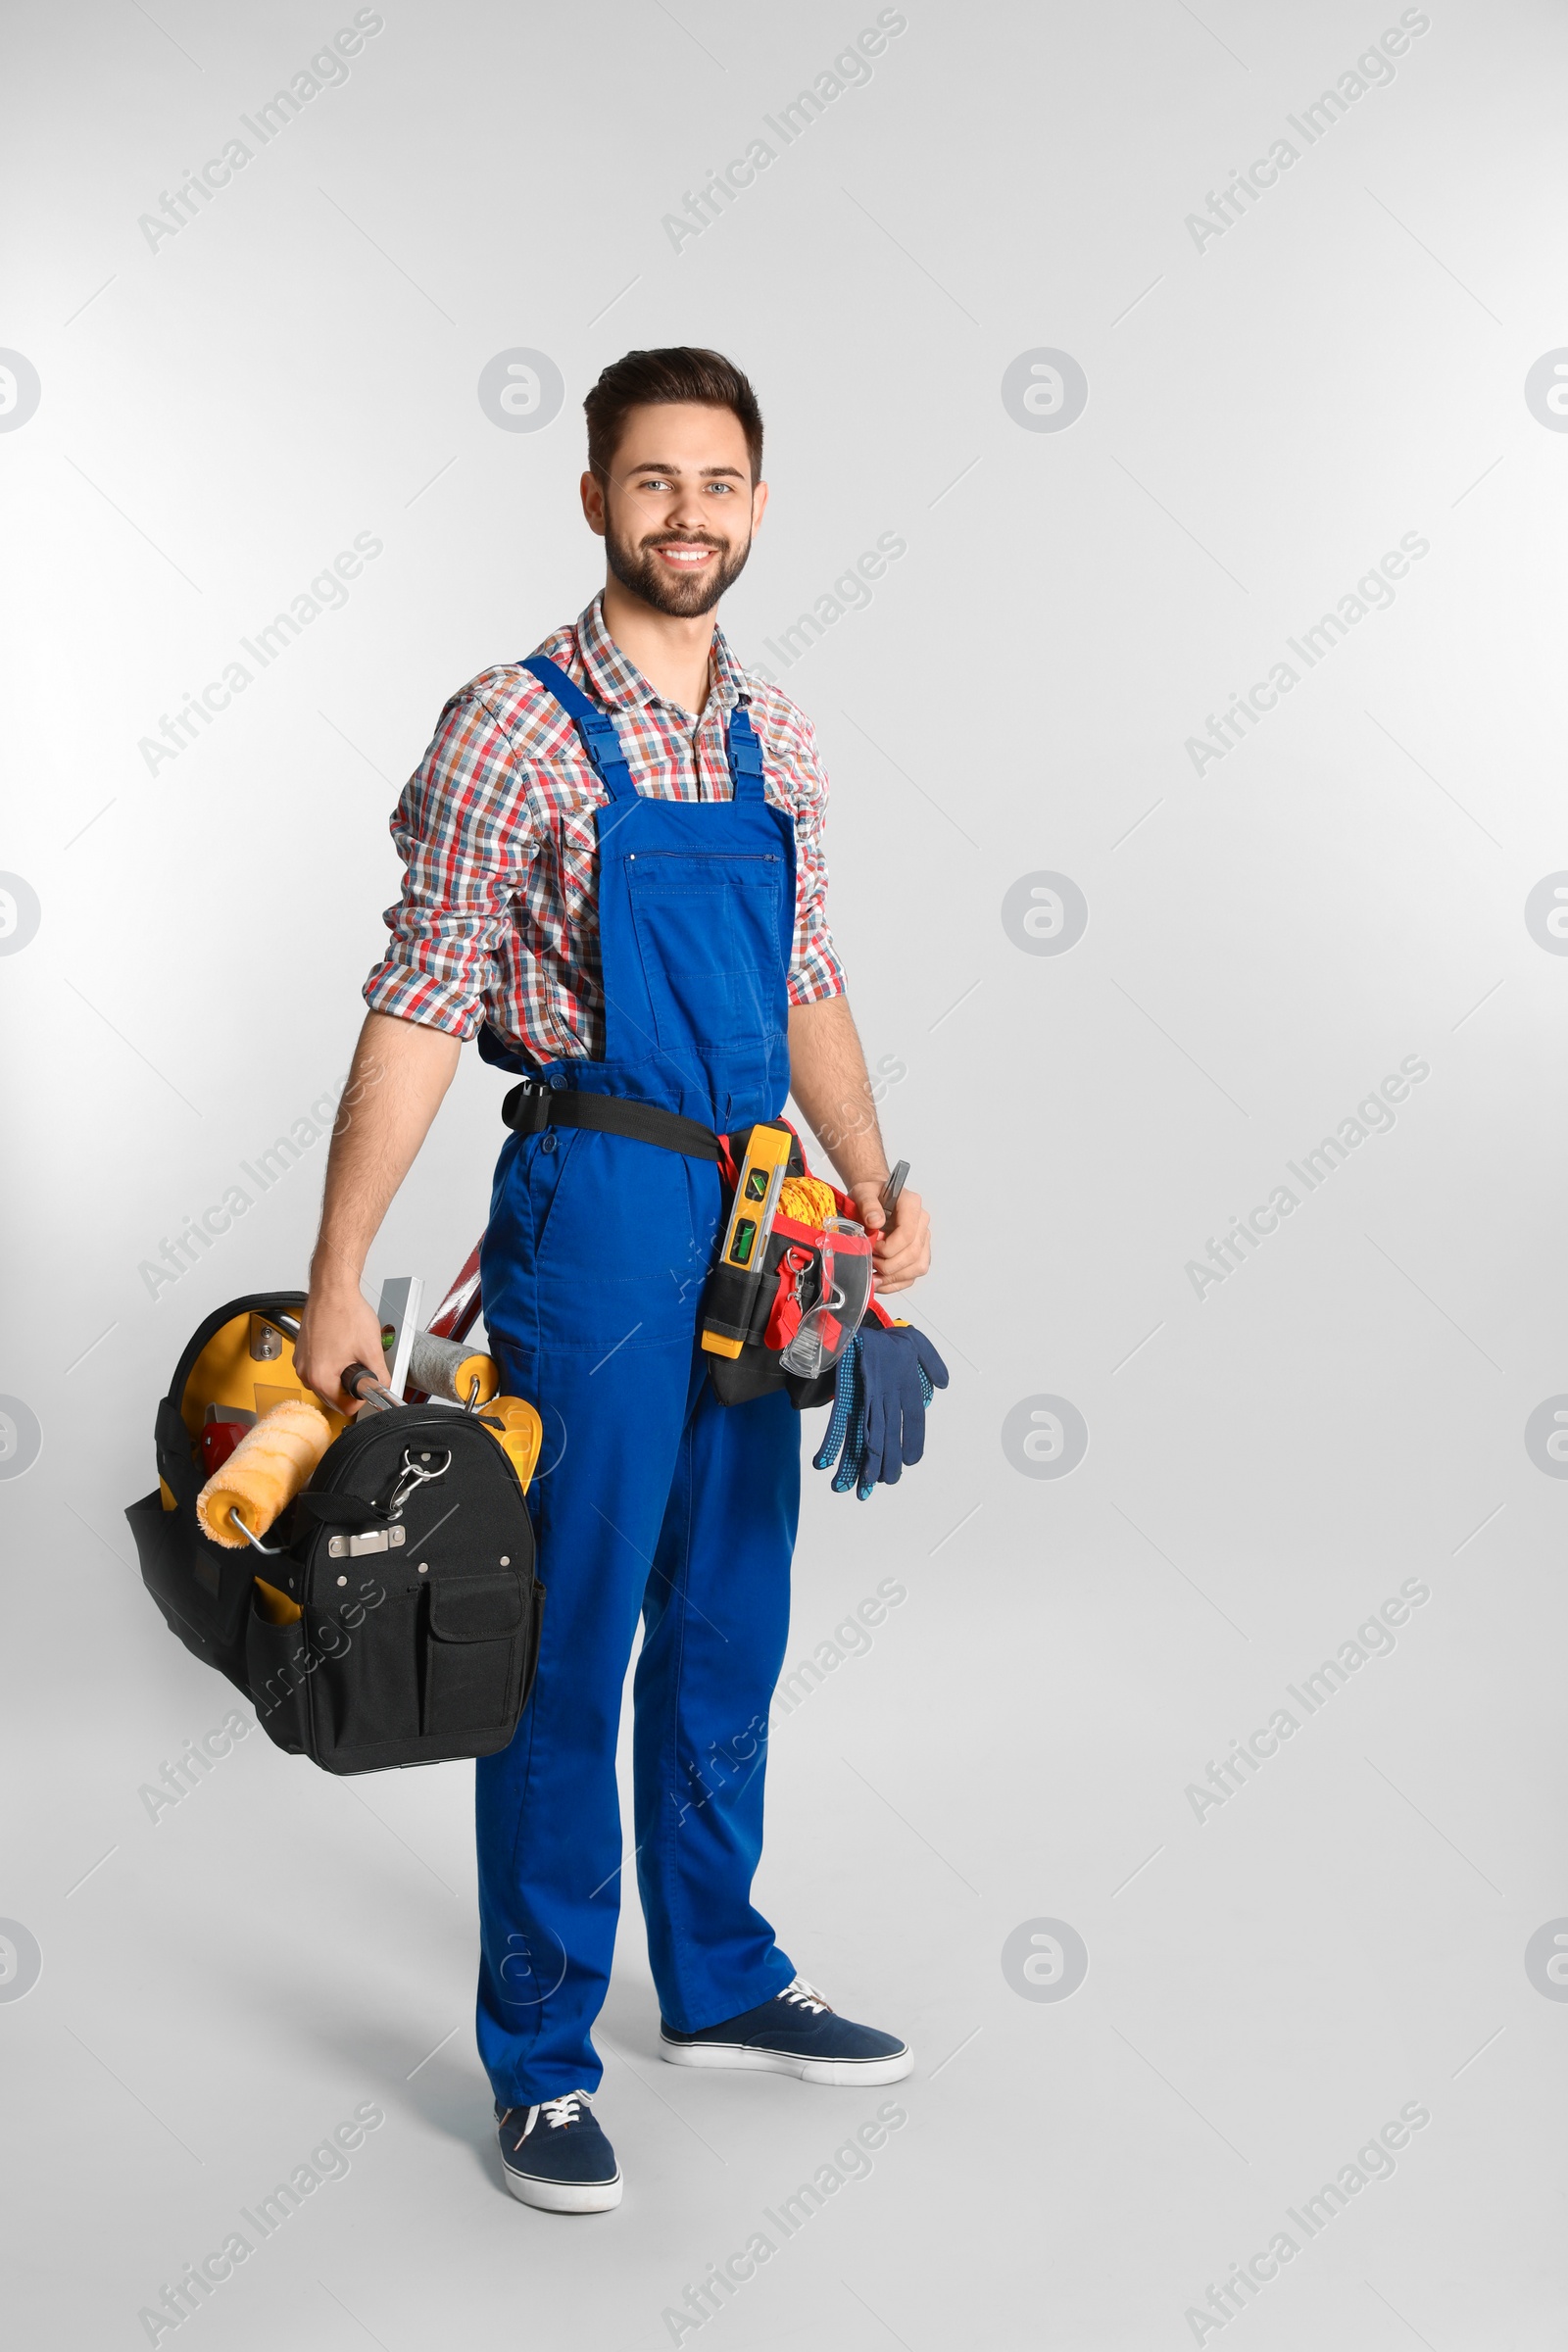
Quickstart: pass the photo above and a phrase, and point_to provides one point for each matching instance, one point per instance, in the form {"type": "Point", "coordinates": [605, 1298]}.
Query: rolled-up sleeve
{"type": "Point", "coordinates": [816, 971]}
{"type": "Point", "coordinates": [463, 830]}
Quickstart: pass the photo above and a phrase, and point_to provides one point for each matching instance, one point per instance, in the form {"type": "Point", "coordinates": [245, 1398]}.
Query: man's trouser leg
{"type": "Point", "coordinates": [660, 1494]}
{"type": "Point", "coordinates": [715, 1621]}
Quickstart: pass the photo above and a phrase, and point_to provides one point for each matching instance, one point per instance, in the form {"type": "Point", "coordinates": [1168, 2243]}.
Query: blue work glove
{"type": "Point", "coordinates": [886, 1379]}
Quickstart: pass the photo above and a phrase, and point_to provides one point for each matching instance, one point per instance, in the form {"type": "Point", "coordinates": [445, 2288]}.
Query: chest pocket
{"type": "Point", "coordinates": [709, 936]}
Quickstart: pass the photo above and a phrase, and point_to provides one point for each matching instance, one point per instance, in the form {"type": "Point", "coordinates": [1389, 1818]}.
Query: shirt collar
{"type": "Point", "coordinates": [619, 685]}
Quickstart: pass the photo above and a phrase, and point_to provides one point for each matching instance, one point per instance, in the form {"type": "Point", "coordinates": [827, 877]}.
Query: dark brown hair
{"type": "Point", "coordinates": [655, 379]}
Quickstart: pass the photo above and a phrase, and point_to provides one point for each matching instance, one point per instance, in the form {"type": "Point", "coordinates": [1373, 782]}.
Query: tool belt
{"type": "Point", "coordinates": [763, 1316]}
{"type": "Point", "coordinates": [392, 1614]}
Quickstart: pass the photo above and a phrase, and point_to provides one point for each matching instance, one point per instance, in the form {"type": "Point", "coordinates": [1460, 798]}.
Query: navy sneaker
{"type": "Point", "coordinates": [796, 2032]}
{"type": "Point", "coordinates": [556, 2156]}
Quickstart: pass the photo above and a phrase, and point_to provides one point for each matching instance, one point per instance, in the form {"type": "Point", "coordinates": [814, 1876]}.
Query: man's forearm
{"type": "Point", "coordinates": [400, 1073]}
{"type": "Point", "coordinates": [830, 1082]}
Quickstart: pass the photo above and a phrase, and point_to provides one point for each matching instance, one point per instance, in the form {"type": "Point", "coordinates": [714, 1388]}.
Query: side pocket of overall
{"type": "Point", "coordinates": [543, 1176]}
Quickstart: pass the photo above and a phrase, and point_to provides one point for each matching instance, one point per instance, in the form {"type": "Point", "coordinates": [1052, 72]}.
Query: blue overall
{"type": "Point", "coordinates": [652, 1497]}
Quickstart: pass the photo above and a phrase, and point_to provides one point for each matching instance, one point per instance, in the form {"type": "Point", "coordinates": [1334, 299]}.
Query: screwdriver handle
{"type": "Point", "coordinates": [354, 1379]}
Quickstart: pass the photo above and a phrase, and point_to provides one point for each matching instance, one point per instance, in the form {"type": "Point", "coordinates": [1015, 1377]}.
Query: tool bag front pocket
{"type": "Point", "coordinates": [474, 1654]}
{"type": "Point", "coordinates": [370, 1673]}
{"type": "Point", "coordinates": [278, 1664]}
{"type": "Point", "coordinates": [418, 1592]}
{"type": "Point", "coordinates": [202, 1591]}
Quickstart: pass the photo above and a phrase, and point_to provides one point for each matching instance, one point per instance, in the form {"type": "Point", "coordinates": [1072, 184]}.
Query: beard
{"type": "Point", "coordinates": [636, 565]}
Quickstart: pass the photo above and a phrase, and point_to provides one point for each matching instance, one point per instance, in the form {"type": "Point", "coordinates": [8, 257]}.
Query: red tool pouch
{"type": "Point", "coordinates": [784, 1317]}
{"type": "Point", "coordinates": [793, 1267]}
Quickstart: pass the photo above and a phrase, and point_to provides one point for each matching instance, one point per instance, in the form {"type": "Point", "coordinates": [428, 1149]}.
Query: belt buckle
{"type": "Point", "coordinates": [526, 1108]}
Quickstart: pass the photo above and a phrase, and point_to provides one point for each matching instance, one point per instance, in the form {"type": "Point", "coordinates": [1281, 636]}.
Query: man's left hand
{"type": "Point", "coordinates": [901, 1251]}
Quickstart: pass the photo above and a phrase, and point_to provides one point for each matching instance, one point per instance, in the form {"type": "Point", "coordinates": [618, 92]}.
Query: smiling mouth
{"type": "Point", "coordinates": [686, 555]}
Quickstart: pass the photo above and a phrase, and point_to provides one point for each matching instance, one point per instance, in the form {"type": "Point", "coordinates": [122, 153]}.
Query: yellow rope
{"type": "Point", "coordinates": [807, 1199]}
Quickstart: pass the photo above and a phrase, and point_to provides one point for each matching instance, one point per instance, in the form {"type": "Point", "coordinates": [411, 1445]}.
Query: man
{"type": "Point", "coordinates": [609, 884]}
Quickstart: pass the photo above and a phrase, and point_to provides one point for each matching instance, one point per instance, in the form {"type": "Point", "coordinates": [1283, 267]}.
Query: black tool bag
{"type": "Point", "coordinates": [394, 1617]}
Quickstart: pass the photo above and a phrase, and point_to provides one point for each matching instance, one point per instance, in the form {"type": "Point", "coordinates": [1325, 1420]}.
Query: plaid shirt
{"type": "Point", "coordinates": [498, 917]}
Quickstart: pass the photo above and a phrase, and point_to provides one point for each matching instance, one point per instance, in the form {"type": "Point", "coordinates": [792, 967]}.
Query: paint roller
{"type": "Point", "coordinates": [419, 1363]}
{"type": "Point", "coordinates": [450, 1369]}
{"type": "Point", "coordinates": [422, 1364]}
{"type": "Point", "coordinates": [267, 1469]}
{"type": "Point", "coordinates": [447, 1370]}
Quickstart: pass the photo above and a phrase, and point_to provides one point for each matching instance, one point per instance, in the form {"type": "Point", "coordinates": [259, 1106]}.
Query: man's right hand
{"type": "Point", "coordinates": [337, 1328]}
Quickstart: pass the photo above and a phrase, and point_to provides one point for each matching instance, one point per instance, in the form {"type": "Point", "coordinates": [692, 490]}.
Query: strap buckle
{"type": "Point", "coordinates": [745, 752]}
{"type": "Point", "coordinates": [602, 742]}
{"type": "Point", "coordinates": [526, 1109]}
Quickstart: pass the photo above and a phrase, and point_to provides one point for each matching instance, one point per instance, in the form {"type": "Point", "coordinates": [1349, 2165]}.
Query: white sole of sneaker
{"type": "Point", "coordinates": [565, 2197]}
{"type": "Point", "coordinates": [840, 2071]}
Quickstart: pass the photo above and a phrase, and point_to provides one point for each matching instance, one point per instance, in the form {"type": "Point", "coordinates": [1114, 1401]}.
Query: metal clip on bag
{"type": "Point", "coordinates": [394, 1618]}
{"type": "Point", "coordinates": [792, 1313]}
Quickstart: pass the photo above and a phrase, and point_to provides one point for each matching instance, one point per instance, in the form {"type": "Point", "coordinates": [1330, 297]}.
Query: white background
{"type": "Point", "coordinates": [1266, 1463]}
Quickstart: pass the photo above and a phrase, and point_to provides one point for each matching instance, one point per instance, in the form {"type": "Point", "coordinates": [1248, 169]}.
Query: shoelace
{"type": "Point", "coordinates": [801, 1995]}
{"type": "Point", "coordinates": [558, 2113]}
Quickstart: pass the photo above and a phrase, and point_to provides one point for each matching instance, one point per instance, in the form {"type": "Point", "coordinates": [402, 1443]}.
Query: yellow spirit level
{"type": "Point", "coordinates": [751, 1221]}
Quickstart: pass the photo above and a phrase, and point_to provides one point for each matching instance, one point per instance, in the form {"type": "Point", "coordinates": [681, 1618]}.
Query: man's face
{"type": "Point", "coordinates": [679, 509]}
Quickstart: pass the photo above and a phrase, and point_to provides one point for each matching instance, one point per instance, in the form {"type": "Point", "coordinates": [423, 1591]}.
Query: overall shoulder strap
{"type": "Point", "coordinates": [595, 726]}
{"type": "Point", "coordinates": [745, 756]}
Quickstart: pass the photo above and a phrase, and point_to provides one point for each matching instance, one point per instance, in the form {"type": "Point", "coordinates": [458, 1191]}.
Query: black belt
{"type": "Point", "coordinates": [533, 1106]}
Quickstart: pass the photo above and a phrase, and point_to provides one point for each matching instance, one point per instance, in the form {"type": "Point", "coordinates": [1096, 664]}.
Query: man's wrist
{"type": "Point", "coordinates": [335, 1274]}
{"type": "Point", "coordinates": [857, 1153]}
